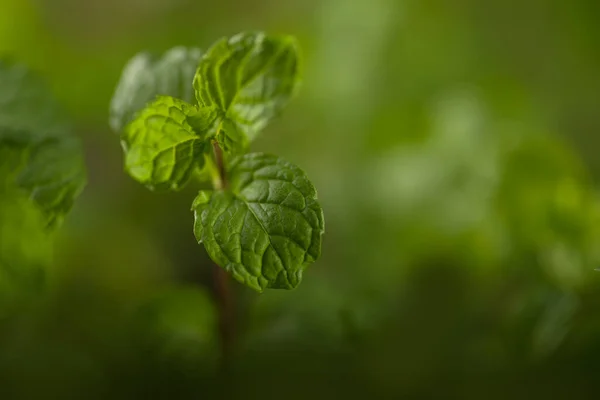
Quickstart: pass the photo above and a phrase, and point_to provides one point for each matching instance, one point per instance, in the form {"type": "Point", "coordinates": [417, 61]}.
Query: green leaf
{"type": "Point", "coordinates": [145, 77]}
{"type": "Point", "coordinates": [54, 176]}
{"type": "Point", "coordinates": [41, 173]}
{"type": "Point", "coordinates": [249, 77]}
{"type": "Point", "coordinates": [161, 148]}
{"type": "Point", "coordinates": [38, 153]}
{"type": "Point", "coordinates": [266, 228]}
{"type": "Point", "coordinates": [49, 170]}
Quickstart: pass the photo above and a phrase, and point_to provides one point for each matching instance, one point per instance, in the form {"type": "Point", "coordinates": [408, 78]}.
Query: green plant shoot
{"type": "Point", "coordinates": [261, 220]}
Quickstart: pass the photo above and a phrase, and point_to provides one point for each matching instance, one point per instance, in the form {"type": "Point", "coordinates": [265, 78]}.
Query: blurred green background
{"type": "Point", "coordinates": [453, 144]}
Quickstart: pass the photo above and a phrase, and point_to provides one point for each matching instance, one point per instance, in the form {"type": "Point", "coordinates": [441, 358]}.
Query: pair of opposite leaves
{"type": "Point", "coordinates": [265, 226]}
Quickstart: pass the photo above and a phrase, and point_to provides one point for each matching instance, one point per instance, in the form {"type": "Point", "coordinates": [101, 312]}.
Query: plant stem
{"type": "Point", "coordinates": [222, 288]}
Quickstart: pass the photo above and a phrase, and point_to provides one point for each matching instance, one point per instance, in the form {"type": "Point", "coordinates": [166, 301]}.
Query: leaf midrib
{"type": "Point", "coordinates": [251, 211]}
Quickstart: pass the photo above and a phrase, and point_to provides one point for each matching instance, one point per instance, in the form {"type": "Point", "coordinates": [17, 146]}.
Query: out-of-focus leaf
{"type": "Point", "coordinates": [26, 106]}
{"type": "Point", "coordinates": [145, 77]}
{"type": "Point", "coordinates": [249, 77]}
{"type": "Point", "coordinates": [161, 148]}
{"type": "Point", "coordinates": [41, 173]}
{"type": "Point", "coordinates": [38, 153]}
{"type": "Point", "coordinates": [54, 176]}
{"type": "Point", "coordinates": [266, 228]}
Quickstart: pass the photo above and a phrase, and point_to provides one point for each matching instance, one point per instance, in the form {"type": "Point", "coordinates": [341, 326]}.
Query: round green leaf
{"type": "Point", "coordinates": [161, 148]}
{"type": "Point", "coordinates": [266, 228]}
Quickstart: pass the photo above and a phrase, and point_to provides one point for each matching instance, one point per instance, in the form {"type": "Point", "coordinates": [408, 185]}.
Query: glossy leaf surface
{"type": "Point", "coordinates": [267, 227]}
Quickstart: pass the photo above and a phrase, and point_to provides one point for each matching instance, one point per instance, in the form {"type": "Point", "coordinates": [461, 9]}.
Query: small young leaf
{"type": "Point", "coordinates": [145, 77]}
{"type": "Point", "coordinates": [203, 120]}
{"type": "Point", "coordinates": [231, 139]}
{"type": "Point", "coordinates": [249, 77]}
{"type": "Point", "coordinates": [266, 228]}
{"type": "Point", "coordinates": [161, 148]}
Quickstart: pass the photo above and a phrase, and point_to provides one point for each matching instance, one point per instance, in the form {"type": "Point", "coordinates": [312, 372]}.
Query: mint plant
{"type": "Point", "coordinates": [193, 115]}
